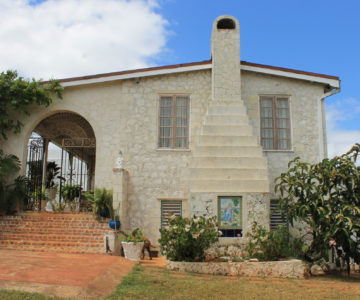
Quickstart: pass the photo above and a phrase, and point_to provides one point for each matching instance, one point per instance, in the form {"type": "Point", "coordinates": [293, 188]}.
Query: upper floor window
{"type": "Point", "coordinates": [174, 122]}
{"type": "Point", "coordinates": [275, 122]}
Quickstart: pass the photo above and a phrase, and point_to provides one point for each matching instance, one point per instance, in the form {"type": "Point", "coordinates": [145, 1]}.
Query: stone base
{"type": "Point", "coordinates": [112, 244]}
{"type": "Point", "coordinates": [284, 269]}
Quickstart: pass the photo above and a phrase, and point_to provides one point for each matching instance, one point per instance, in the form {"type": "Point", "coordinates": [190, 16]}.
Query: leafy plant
{"type": "Point", "coordinates": [272, 245]}
{"type": "Point", "coordinates": [135, 236]}
{"type": "Point", "coordinates": [18, 95]}
{"type": "Point", "coordinates": [326, 196]}
{"type": "Point", "coordinates": [186, 239]}
{"type": "Point", "coordinates": [70, 192]}
{"type": "Point", "coordinates": [52, 170]}
{"type": "Point", "coordinates": [13, 192]}
{"type": "Point", "coordinates": [101, 202]}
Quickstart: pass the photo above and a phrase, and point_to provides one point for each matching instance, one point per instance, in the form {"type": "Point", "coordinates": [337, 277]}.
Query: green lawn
{"type": "Point", "coordinates": [159, 283]}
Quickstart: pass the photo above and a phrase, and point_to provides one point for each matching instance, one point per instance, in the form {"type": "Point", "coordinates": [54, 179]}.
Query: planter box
{"type": "Point", "coordinates": [132, 250]}
{"type": "Point", "coordinates": [285, 269]}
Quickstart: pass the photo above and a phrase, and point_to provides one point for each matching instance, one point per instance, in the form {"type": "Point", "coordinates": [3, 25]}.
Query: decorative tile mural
{"type": "Point", "coordinates": [230, 212]}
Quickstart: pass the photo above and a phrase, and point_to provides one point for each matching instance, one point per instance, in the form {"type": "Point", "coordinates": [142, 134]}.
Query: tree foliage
{"type": "Point", "coordinates": [12, 192]}
{"type": "Point", "coordinates": [17, 95]}
{"type": "Point", "coordinates": [326, 196]}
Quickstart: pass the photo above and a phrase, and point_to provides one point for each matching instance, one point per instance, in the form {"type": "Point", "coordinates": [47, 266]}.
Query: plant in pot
{"type": "Point", "coordinates": [69, 193]}
{"type": "Point", "coordinates": [102, 206]}
{"type": "Point", "coordinates": [52, 170]}
{"type": "Point", "coordinates": [39, 199]}
{"type": "Point", "coordinates": [133, 244]}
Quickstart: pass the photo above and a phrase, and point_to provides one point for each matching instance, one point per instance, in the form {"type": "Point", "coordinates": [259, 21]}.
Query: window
{"type": "Point", "coordinates": [275, 122]}
{"type": "Point", "coordinates": [229, 216]}
{"type": "Point", "coordinates": [174, 122]}
{"type": "Point", "coordinates": [276, 218]}
{"type": "Point", "coordinates": [168, 208]}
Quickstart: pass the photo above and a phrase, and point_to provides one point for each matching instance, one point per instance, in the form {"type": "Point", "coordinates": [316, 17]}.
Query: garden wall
{"type": "Point", "coordinates": [285, 269]}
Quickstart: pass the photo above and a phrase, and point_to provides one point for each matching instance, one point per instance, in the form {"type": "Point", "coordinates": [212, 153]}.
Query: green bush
{"type": "Point", "coordinates": [186, 239]}
{"type": "Point", "coordinates": [135, 236]}
{"type": "Point", "coordinates": [273, 245]}
{"type": "Point", "coordinates": [101, 202]}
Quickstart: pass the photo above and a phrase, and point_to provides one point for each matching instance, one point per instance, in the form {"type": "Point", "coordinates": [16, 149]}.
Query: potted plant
{"type": "Point", "coordinates": [39, 199]}
{"type": "Point", "coordinates": [69, 193]}
{"type": "Point", "coordinates": [102, 206]}
{"type": "Point", "coordinates": [133, 244]}
{"type": "Point", "coordinates": [52, 170]}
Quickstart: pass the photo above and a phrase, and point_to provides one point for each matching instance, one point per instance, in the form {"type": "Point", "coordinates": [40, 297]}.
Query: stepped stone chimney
{"type": "Point", "coordinates": [227, 159]}
{"type": "Point", "coordinates": [225, 53]}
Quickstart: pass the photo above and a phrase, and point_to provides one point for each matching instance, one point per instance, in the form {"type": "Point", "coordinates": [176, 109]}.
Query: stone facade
{"type": "Point", "coordinates": [123, 113]}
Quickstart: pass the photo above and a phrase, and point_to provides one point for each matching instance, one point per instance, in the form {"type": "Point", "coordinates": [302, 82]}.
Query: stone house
{"type": "Point", "coordinates": [199, 138]}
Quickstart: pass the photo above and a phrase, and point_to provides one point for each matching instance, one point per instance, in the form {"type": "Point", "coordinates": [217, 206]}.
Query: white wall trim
{"type": "Point", "coordinates": [263, 70]}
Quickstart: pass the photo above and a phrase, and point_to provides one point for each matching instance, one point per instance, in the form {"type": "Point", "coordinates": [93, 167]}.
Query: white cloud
{"type": "Point", "coordinates": [341, 140]}
{"type": "Point", "coordinates": [63, 38]}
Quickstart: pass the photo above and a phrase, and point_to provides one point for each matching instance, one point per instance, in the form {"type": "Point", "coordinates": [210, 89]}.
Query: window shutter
{"type": "Point", "coordinates": [275, 216]}
{"type": "Point", "coordinates": [168, 208]}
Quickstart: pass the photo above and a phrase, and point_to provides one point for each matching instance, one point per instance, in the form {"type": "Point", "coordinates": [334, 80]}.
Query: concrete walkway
{"type": "Point", "coordinates": [66, 275]}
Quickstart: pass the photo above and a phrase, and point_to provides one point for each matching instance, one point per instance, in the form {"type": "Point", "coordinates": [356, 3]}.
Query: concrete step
{"type": "Point", "coordinates": [229, 162]}
{"type": "Point", "coordinates": [228, 151]}
{"type": "Point", "coordinates": [54, 247]}
{"type": "Point", "coordinates": [59, 224]}
{"type": "Point", "coordinates": [227, 130]}
{"type": "Point", "coordinates": [210, 140]}
{"type": "Point", "coordinates": [53, 232]}
{"type": "Point", "coordinates": [226, 120]}
{"type": "Point", "coordinates": [51, 237]}
{"type": "Point", "coordinates": [229, 186]}
{"type": "Point", "coordinates": [227, 110]}
{"type": "Point", "coordinates": [228, 102]}
{"type": "Point", "coordinates": [228, 174]}
{"type": "Point", "coordinates": [52, 215]}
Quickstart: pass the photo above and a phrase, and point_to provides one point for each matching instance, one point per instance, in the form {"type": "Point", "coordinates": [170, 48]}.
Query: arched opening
{"type": "Point", "coordinates": [61, 152]}
{"type": "Point", "coordinates": [226, 24]}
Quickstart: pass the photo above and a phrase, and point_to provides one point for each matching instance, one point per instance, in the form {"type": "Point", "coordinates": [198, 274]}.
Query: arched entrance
{"type": "Point", "coordinates": [61, 151]}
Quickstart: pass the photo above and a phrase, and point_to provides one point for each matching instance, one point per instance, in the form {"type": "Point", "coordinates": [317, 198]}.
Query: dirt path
{"type": "Point", "coordinates": [66, 275]}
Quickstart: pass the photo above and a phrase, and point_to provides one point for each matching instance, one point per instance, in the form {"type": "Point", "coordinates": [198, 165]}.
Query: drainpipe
{"type": "Point", "coordinates": [322, 129]}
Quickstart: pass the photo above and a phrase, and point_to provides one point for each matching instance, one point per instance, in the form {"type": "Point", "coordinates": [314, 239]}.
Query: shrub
{"type": "Point", "coordinates": [186, 239]}
{"type": "Point", "coordinates": [101, 202]}
{"type": "Point", "coordinates": [135, 236]}
{"type": "Point", "coordinates": [273, 245]}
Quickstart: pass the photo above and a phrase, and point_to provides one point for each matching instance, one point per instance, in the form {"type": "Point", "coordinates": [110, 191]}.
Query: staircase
{"type": "Point", "coordinates": [53, 232]}
{"type": "Point", "coordinates": [227, 157]}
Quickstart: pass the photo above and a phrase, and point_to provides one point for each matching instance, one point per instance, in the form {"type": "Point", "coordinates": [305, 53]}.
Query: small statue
{"type": "Point", "coordinates": [119, 161]}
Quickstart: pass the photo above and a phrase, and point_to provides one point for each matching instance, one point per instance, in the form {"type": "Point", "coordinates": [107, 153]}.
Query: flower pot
{"type": "Point", "coordinates": [132, 250]}
{"type": "Point", "coordinates": [114, 224]}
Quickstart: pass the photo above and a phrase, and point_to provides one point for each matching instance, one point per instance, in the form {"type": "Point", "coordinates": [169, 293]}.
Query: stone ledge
{"type": "Point", "coordinates": [284, 269]}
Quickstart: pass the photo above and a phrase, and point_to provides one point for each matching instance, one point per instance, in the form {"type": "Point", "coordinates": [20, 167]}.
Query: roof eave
{"type": "Point", "coordinates": [332, 81]}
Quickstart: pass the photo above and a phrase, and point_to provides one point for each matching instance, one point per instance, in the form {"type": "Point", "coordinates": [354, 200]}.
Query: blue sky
{"type": "Point", "coordinates": [66, 38]}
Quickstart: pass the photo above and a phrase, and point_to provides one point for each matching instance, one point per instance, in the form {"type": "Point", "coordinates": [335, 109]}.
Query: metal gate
{"type": "Point", "coordinates": [73, 169]}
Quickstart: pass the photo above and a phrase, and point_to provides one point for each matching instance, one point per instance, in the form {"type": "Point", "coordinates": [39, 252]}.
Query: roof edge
{"type": "Point", "coordinates": [193, 66]}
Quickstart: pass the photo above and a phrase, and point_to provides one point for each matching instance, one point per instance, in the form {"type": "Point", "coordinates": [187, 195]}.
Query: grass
{"type": "Point", "coordinates": [17, 295]}
{"type": "Point", "coordinates": [160, 283]}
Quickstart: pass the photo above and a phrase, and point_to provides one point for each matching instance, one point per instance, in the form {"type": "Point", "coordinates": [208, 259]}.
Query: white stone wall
{"type": "Point", "coordinates": [123, 115]}
{"type": "Point", "coordinates": [306, 136]}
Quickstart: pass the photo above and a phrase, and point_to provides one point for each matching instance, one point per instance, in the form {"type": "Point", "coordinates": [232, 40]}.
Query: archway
{"type": "Point", "coordinates": [61, 151]}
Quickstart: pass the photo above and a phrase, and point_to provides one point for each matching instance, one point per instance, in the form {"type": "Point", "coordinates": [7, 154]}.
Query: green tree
{"type": "Point", "coordinates": [18, 95]}
{"type": "Point", "coordinates": [12, 192]}
{"type": "Point", "coordinates": [326, 196]}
